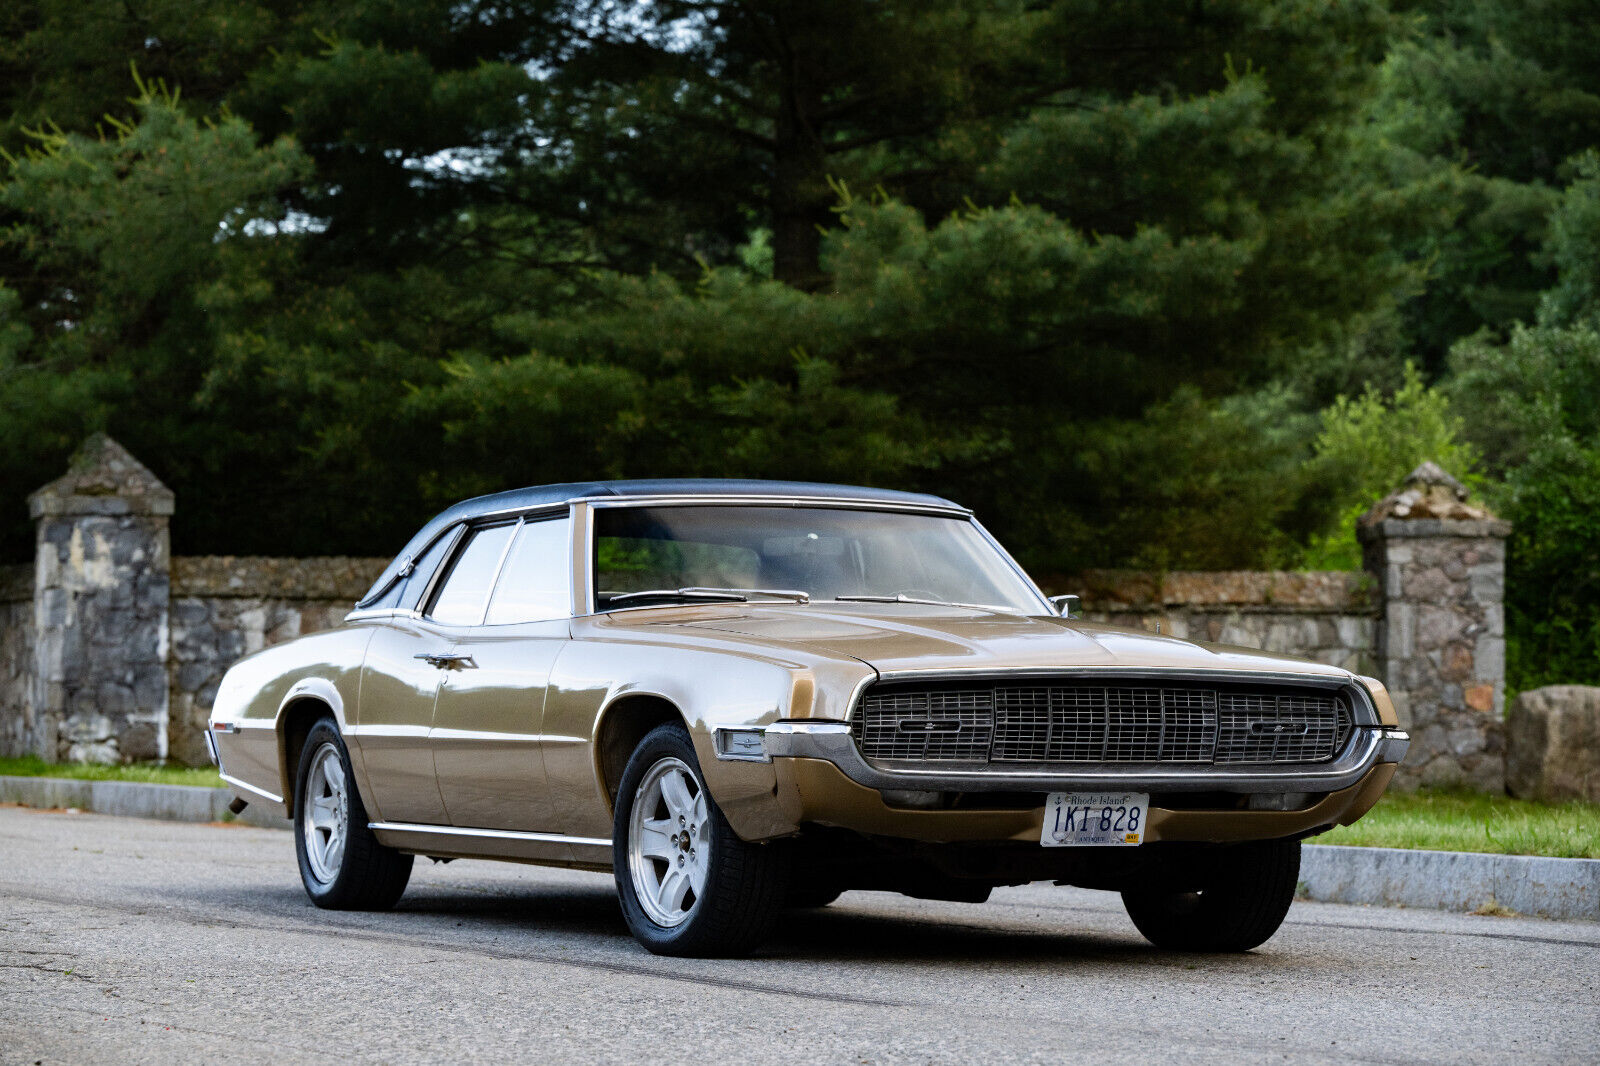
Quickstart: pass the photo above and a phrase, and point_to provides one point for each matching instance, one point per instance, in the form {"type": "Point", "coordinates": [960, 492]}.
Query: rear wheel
{"type": "Point", "coordinates": [342, 865]}
{"type": "Point", "coordinates": [1233, 901]}
{"type": "Point", "coordinates": [688, 884]}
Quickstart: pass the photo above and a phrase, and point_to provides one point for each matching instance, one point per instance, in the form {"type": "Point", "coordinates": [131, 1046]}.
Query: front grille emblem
{"type": "Point", "coordinates": [924, 725]}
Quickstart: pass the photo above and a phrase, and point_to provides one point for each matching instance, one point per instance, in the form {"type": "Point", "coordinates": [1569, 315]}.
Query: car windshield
{"type": "Point", "coordinates": [646, 556]}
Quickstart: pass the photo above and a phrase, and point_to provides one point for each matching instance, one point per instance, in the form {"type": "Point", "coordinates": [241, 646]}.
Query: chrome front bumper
{"type": "Point", "coordinates": [831, 742]}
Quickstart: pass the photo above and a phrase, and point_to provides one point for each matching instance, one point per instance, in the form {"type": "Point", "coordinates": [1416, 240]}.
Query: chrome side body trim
{"type": "Point", "coordinates": [486, 834]}
{"type": "Point", "coordinates": [831, 742]}
{"type": "Point", "coordinates": [263, 793]}
{"type": "Point", "coordinates": [388, 731]}
{"type": "Point", "coordinates": [437, 733]}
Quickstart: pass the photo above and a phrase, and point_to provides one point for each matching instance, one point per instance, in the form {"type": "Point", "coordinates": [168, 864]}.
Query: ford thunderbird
{"type": "Point", "coordinates": [742, 696]}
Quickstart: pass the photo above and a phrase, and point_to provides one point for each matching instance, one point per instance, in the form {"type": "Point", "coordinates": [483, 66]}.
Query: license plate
{"type": "Point", "coordinates": [1094, 819]}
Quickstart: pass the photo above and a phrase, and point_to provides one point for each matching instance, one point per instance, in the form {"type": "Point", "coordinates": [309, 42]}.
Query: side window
{"type": "Point", "coordinates": [536, 582]}
{"type": "Point", "coordinates": [422, 570]}
{"type": "Point", "coordinates": [466, 587]}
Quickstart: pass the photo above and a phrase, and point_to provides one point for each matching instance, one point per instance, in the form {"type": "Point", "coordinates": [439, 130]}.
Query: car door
{"type": "Point", "coordinates": [487, 736]}
{"type": "Point", "coordinates": [410, 655]}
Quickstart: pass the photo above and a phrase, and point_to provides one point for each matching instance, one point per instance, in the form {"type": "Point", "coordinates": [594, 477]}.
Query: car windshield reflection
{"type": "Point", "coordinates": [709, 553]}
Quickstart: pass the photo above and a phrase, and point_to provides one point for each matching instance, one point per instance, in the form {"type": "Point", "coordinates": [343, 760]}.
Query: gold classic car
{"type": "Point", "coordinates": [742, 696]}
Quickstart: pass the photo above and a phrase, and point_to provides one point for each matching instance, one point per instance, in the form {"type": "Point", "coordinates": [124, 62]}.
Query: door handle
{"type": "Point", "coordinates": [448, 661]}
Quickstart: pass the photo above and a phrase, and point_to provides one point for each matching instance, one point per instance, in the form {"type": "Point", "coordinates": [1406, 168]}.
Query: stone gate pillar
{"type": "Point", "coordinates": [1439, 561]}
{"type": "Point", "coordinates": [101, 576]}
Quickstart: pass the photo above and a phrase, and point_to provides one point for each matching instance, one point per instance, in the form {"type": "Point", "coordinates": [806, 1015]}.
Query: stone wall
{"type": "Point", "coordinates": [16, 653]}
{"type": "Point", "coordinates": [111, 650]}
{"type": "Point", "coordinates": [227, 607]}
{"type": "Point", "coordinates": [1326, 616]}
{"type": "Point", "coordinates": [98, 685]}
{"type": "Point", "coordinates": [1440, 562]}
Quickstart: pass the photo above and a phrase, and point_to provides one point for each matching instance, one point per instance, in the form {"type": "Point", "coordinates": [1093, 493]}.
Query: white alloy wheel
{"type": "Point", "coordinates": [669, 842]}
{"type": "Point", "coordinates": [325, 811]}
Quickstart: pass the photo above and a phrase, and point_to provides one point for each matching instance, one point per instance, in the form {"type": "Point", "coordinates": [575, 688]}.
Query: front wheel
{"type": "Point", "coordinates": [688, 884]}
{"type": "Point", "coordinates": [342, 865]}
{"type": "Point", "coordinates": [1233, 901]}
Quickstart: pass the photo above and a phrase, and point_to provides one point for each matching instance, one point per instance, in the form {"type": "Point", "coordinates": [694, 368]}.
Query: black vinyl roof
{"type": "Point", "coordinates": [537, 496]}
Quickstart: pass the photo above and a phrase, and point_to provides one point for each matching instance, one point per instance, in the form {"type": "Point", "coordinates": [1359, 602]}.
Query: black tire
{"type": "Point", "coordinates": [1236, 899]}
{"type": "Point", "coordinates": [745, 884]}
{"type": "Point", "coordinates": [366, 875]}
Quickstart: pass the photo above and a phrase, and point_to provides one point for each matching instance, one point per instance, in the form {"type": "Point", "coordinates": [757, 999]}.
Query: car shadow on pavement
{"type": "Point", "coordinates": [522, 915]}
{"type": "Point", "coordinates": [841, 934]}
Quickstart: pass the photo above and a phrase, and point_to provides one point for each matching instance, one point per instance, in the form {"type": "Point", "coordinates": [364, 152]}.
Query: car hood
{"type": "Point", "coordinates": [916, 638]}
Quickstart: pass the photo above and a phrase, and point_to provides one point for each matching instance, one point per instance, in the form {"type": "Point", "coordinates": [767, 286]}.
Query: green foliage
{"type": "Point", "coordinates": [1368, 444]}
{"type": "Point", "coordinates": [151, 773]}
{"type": "Point", "coordinates": [1536, 410]}
{"type": "Point", "coordinates": [1534, 406]}
{"type": "Point", "coordinates": [1502, 94]}
{"type": "Point", "coordinates": [1574, 248]}
{"type": "Point", "coordinates": [104, 243]}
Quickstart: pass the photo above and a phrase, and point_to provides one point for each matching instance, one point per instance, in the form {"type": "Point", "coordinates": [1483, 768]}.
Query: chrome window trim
{"type": "Point", "coordinates": [455, 533]}
{"type": "Point", "coordinates": [454, 556]}
{"type": "Point", "coordinates": [724, 500]}
{"type": "Point", "coordinates": [577, 583]}
{"type": "Point", "coordinates": [370, 613]}
{"type": "Point", "coordinates": [489, 834]}
{"type": "Point", "coordinates": [585, 562]}
{"type": "Point", "coordinates": [1038, 592]}
{"type": "Point", "coordinates": [543, 514]}
{"type": "Point", "coordinates": [572, 503]}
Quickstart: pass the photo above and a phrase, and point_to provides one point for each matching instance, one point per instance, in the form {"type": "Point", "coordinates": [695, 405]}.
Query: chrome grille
{"type": "Point", "coordinates": [1061, 723]}
{"type": "Point", "coordinates": [1279, 729]}
{"type": "Point", "coordinates": [928, 726]}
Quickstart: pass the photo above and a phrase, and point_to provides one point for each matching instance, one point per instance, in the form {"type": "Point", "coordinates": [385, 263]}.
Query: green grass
{"type": "Point", "coordinates": [147, 772]}
{"type": "Point", "coordinates": [1471, 821]}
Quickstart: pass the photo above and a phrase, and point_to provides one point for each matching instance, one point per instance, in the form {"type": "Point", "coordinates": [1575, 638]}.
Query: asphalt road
{"type": "Point", "coordinates": [125, 941]}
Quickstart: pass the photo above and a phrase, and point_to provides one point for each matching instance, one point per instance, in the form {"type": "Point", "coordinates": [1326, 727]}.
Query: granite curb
{"type": "Point", "coordinates": [1387, 877]}
{"type": "Point", "coordinates": [1452, 880]}
{"type": "Point", "coordinates": [132, 799]}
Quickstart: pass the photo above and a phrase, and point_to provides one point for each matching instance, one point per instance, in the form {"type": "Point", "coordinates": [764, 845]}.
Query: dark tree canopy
{"type": "Point", "coordinates": [1139, 280]}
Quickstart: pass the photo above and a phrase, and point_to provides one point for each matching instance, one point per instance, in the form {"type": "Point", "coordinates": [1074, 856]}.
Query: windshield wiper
{"type": "Point", "coordinates": [718, 595]}
{"type": "Point", "coordinates": [901, 597]}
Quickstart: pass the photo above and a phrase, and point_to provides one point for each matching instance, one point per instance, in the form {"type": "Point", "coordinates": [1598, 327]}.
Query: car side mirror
{"type": "Point", "coordinates": [1068, 606]}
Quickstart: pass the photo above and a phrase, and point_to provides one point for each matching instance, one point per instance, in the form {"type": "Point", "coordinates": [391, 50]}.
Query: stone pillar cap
{"type": "Point", "coordinates": [1429, 494]}
{"type": "Point", "coordinates": [103, 479]}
